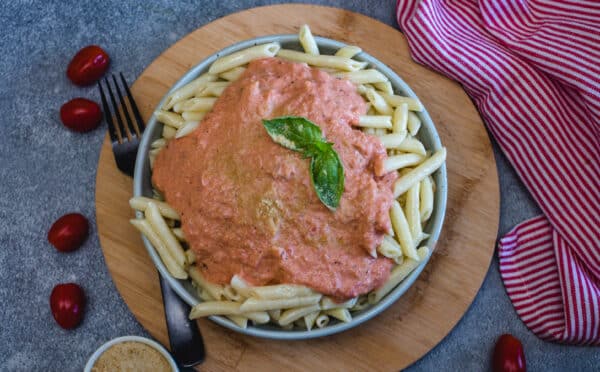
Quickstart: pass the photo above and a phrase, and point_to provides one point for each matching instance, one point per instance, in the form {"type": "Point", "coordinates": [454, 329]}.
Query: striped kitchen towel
{"type": "Point", "coordinates": [532, 67]}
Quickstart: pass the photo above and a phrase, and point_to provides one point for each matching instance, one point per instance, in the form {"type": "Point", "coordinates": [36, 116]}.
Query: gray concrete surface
{"type": "Point", "coordinates": [46, 171]}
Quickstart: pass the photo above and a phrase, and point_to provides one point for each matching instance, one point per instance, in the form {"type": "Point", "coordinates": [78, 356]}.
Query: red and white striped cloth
{"type": "Point", "coordinates": [533, 69]}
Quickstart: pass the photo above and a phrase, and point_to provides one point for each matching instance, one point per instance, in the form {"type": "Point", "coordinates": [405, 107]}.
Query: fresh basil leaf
{"type": "Point", "coordinates": [327, 176]}
{"type": "Point", "coordinates": [326, 170]}
{"type": "Point", "coordinates": [293, 132]}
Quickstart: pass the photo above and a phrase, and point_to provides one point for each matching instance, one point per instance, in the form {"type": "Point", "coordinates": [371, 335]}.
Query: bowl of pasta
{"type": "Point", "coordinates": [290, 187]}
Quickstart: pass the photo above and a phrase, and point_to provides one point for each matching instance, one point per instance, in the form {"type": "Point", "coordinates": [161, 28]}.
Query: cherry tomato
{"type": "Point", "coordinates": [68, 232]}
{"type": "Point", "coordinates": [80, 115]}
{"type": "Point", "coordinates": [88, 65]}
{"type": "Point", "coordinates": [509, 355]}
{"type": "Point", "coordinates": [67, 301]}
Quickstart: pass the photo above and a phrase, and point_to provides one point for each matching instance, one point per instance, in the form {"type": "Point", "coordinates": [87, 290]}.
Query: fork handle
{"type": "Point", "coordinates": [186, 342]}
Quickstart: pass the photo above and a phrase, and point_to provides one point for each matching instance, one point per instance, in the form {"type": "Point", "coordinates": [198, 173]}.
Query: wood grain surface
{"type": "Point", "coordinates": [428, 311]}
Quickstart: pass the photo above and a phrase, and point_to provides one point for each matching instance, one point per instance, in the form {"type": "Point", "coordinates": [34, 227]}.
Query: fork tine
{"type": "Point", "coordinates": [132, 128]}
{"type": "Point", "coordinates": [136, 112]}
{"type": "Point", "coordinates": [113, 130]}
{"type": "Point", "coordinates": [116, 110]}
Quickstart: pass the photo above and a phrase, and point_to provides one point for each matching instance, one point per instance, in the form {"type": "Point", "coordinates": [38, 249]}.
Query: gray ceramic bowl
{"type": "Point", "coordinates": [428, 135]}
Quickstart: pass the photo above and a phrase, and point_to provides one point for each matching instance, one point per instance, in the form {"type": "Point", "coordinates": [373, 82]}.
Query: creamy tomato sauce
{"type": "Point", "coordinates": [247, 204]}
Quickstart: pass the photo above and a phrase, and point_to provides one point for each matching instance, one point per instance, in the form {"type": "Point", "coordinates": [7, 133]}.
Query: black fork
{"type": "Point", "coordinates": [125, 134]}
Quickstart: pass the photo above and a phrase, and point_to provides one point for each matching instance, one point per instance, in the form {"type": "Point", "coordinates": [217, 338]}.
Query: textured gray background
{"type": "Point", "coordinates": [46, 171]}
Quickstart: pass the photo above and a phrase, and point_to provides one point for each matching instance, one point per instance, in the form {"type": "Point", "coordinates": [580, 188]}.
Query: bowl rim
{"type": "Point", "coordinates": [105, 346]}
{"type": "Point", "coordinates": [435, 224]}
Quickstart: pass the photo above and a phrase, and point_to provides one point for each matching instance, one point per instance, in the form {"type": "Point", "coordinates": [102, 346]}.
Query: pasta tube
{"type": "Point", "coordinates": [254, 304]}
{"type": "Point", "coordinates": [140, 203]}
{"type": "Point", "coordinates": [402, 231]}
{"type": "Point", "coordinates": [243, 56]}
{"type": "Point", "coordinates": [423, 170]}
{"type": "Point", "coordinates": [172, 266]}
{"type": "Point", "coordinates": [341, 63]}
{"type": "Point", "coordinates": [291, 315]}
{"type": "Point", "coordinates": [398, 274]}
{"type": "Point", "coordinates": [308, 41]}
{"type": "Point", "coordinates": [348, 51]}
{"type": "Point", "coordinates": [394, 100]}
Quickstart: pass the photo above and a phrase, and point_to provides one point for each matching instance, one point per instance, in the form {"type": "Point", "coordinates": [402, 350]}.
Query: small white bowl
{"type": "Point", "coordinates": [118, 340]}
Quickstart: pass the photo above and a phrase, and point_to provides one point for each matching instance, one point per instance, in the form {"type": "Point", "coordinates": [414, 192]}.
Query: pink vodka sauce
{"type": "Point", "coordinates": [247, 204]}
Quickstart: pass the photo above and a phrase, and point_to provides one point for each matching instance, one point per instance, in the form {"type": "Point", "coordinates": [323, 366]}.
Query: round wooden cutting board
{"type": "Point", "coordinates": [445, 289]}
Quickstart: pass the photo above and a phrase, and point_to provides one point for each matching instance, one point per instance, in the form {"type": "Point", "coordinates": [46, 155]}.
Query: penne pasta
{"type": "Point", "coordinates": [212, 92]}
{"type": "Point", "coordinates": [240, 286]}
{"type": "Point", "coordinates": [362, 90]}
{"type": "Point", "coordinates": [195, 104]}
{"type": "Point", "coordinates": [398, 274]}
{"type": "Point", "coordinates": [214, 89]}
{"type": "Point", "coordinates": [231, 294]}
{"type": "Point", "coordinates": [168, 132]}
{"type": "Point", "coordinates": [188, 128]}
{"type": "Point", "coordinates": [361, 304]}
{"type": "Point", "coordinates": [274, 314]}
{"type": "Point", "coordinates": [378, 102]}
{"type": "Point", "coordinates": [348, 51]}
{"type": "Point", "coordinates": [413, 123]}
{"type": "Point", "coordinates": [242, 57]}
{"type": "Point", "coordinates": [187, 90]}
{"type": "Point", "coordinates": [402, 231]}
{"type": "Point", "coordinates": [291, 315]}
{"type": "Point", "coordinates": [393, 140]}
{"type": "Point", "coordinates": [233, 74]}
{"type": "Point", "coordinates": [309, 319]}
{"type": "Point", "coordinates": [280, 291]}
{"type": "Point", "coordinates": [395, 101]}
{"type": "Point", "coordinates": [411, 144]}
{"type": "Point", "coordinates": [258, 317]}
{"type": "Point", "coordinates": [423, 170]}
{"type": "Point", "coordinates": [140, 203]}
{"type": "Point", "coordinates": [390, 248]}
{"type": "Point", "coordinates": [411, 209]}
{"type": "Point", "coordinates": [369, 76]}
{"type": "Point", "coordinates": [215, 290]}
{"type": "Point", "coordinates": [168, 260]}
{"type": "Point", "coordinates": [384, 86]}
{"type": "Point", "coordinates": [396, 162]}
{"type": "Point", "coordinates": [331, 71]}
{"type": "Point", "coordinates": [337, 62]}
{"type": "Point", "coordinates": [322, 321]}
{"type": "Point", "coordinates": [328, 303]}
{"type": "Point", "coordinates": [308, 41]}
{"type": "Point", "coordinates": [375, 121]}
{"type": "Point", "coordinates": [254, 304]}
{"type": "Point", "coordinates": [340, 314]}
{"type": "Point", "coordinates": [426, 199]}
{"type": "Point", "coordinates": [169, 118]}
{"type": "Point", "coordinates": [208, 308]}
{"type": "Point", "coordinates": [240, 321]}
{"type": "Point", "coordinates": [193, 115]}
{"type": "Point", "coordinates": [423, 236]}
{"type": "Point", "coordinates": [400, 119]}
